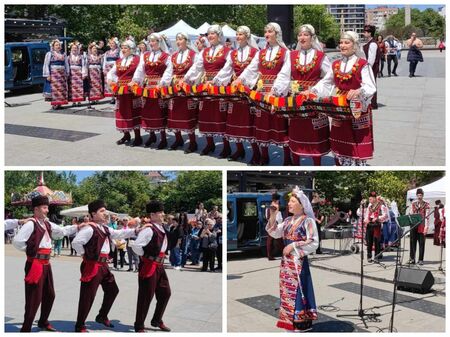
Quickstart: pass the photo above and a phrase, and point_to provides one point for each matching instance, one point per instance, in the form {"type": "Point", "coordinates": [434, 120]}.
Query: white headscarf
{"type": "Point", "coordinates": [159, 38]}
{"type": "Point", "coordinates": [307, 208]}
{"type": "Point", "coordinates": [116, 41]}
{"type": "Point", "coordinates": [276, 27]}
{"type": "Point", "coordinates": [353, 36]}
{"type": "Point", "coordinates": [314, 39]}
{"type": "Point", "coordinates": [130, 44]}
{"type": "Point", "coordinates": [250, 39]}
{"type": "Point", "coordinates": [218, 30]}
{"type": "Point", "coordinates": [188, 41]}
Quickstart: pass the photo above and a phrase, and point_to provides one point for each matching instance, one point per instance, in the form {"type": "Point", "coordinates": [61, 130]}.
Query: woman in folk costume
{"type": "Point", "coordinates": [271, 70]}
{"type": "Point", "coordinates": [212, 118]}
{"type": "Point", "coordinates": [240, 120]}
{"type": "Point", "coordinates": [182, 110]}
{"type": "Point", "coordinates": [94, 73]}
{"type": "Point", "coordinates": [142, 47]}
{"type": "Point", "coordinates": [128, 107]}
{"type": "Point", "coordinates": [351, 138]}
{"type": "Point", "coordinates": [309, 136]}
{"type": "Point", "coordinates": [154, 70]}
{"type": "Point", "coordinates": [76, 67]}
{"type": "Point", "coordinates": [299, 232]}
{"type": "Point", "coordinates": [56, 71]}
{"type": "Point", "coordinates": [109, 59]}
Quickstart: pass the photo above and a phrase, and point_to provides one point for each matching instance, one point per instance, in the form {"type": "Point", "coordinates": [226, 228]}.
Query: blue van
{"type": "Point", "coordinates": [23, 64]}
{"type": "Point", "coordinates": [246, 220]}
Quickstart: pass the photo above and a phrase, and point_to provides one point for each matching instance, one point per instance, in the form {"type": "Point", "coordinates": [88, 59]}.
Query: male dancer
{"type": "Point", "coordinates": [373, 55]}
{"type": "Point", "coordinates": [151, 245]}
{"type": "Point", "coordinates": [35, 238]}
{"type": "Point", "coordinates": [375, 215]}
{"type": "Point", "coordinates": [418, 233]}
{"type": "Point", "coordinates": [93, 244]}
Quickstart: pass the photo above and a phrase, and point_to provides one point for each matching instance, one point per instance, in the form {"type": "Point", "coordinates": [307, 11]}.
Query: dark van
{"type": "Point", "coordinates": [246, 220]}
{"type": "Point", "coordinates": [23, 64]}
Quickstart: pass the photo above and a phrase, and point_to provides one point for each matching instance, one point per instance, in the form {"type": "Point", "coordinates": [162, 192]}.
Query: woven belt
{"type": "Point", "coordinates": [102, 259]}
{"type": "Point", "coordinates": [42, 256]}
{"type": "Point", "coordinates": [157, 259]}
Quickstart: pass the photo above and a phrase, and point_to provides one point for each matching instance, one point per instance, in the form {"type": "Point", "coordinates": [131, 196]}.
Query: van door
{"type": "Point", "coordinates": [231, 223]}
{"type": "Point", "coordinates": [37, 63]}
{"type": "Point", "coordinates": [264, 202]}
{"type": "Point", "coordinates": [9, 78]}
{"type": "Point", "coordinates": [21, 66]}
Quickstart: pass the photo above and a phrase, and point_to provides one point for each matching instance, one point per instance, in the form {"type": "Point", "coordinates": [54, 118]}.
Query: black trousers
{"type": "Point", "coordinates": [414, 237]}
{"type": "Point", "coordinates": [412, 67]}
{"type": "Point", "coordinates": [391, 58]}
{"type": "Point", "coordinates": [122, 257]}
{"type": "Point", "coordinates": [219, 256]}
{"type": "Point", "coordinates": [382, 61]}
{"type": "Point", "coordinates": [208, 259]}
{"type": "Point", "coordinates": [41, 294]}
{"type": "Point", "coordinates": [372, 239]}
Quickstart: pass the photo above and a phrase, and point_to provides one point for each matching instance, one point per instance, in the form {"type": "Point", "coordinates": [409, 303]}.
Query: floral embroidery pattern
{"type": "Point", "coordinates": [212, 59]}
{"type": "Point", "coordinates": [305, 68]}
{"type": "Point", "coordinates": [269, 64]}
{"type": "Point", "coordinates": [344, 77]}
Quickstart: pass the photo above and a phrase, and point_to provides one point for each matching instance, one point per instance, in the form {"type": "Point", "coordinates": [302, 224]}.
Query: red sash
{"type": "Point", "coordinates": [36, 269]}
{"type": "Point", "coordinates": [149, 266]}
{"type": "Point", "coordinates": [90, 269]}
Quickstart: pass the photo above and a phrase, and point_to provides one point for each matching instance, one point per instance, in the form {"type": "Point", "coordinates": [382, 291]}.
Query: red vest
{"type": "Point", "coordinates": [36, 237]}
{"type": "Point", "coordinates": [356, 79]}
{"type": "Point", "coordinates": [265, 67]}
{"type": "Point", "coordinates": [182, 69]}
{"type": "Point", "coordinates": [215, 63]}
{"type": "Point", "coordinates": [155, 68]}
{"type": "Point", "coordinates": [312, 70]}
{"type": "Point", "coordinates": [153, 248]}
{"type": "Point", "coordinates": [238, 66]}
{"type": "Point", "coordinates": [377, 56]}
{"type": "Point", "coordinates": [125, 74]}
{"type": "Point", "coordinates": [94, 246]}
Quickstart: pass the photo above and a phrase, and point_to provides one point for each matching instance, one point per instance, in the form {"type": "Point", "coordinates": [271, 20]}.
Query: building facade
{"type": "Point", "coordinates": [379, 15]}
{"type": "Point", "coordinates": [349, 17]}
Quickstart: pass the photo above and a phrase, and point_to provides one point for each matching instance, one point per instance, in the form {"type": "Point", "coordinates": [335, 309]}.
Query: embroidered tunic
{"type": "Point", "coordinates": [57, 67]}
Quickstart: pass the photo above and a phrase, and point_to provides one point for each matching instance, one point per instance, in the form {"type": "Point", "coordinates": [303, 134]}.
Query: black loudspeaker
{"type": "Point", "coordinates": [284, 16]}
{"type": "Point", "coordinates": [415, 280]}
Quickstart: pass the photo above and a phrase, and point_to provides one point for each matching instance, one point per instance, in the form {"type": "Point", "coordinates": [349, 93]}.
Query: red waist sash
{"type": "Point", "coordinates": [149, 265]}
{"type": "Point", "coordinates": [91, 267]}
{"type": "Point", "coordinates": [37, 265]}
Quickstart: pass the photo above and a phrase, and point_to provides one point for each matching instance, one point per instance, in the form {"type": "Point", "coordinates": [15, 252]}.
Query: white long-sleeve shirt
{"type": "Point", "coordinates": [301, 248]}
{"type": "Point", "coordinates": [195, 73]}
{"type": "Point", "coordinates": [58, 232]}
{"type": "Point", "coordinates": [166, 78]}
{"type": "Point", "coordinates": [85, 234]}
{"type": "Point", "coordinates": [326, 85]}
{"type": "Point", "coordinates": [225, 74]}
{"type": "Point", "coordinates": [373, 48]}
{"type": "Point", "coordinates": [11, 224]}
{"type": "Point", "coordinates": [144, 237]}
{"type": "Point", "coordinates": [250, 75]}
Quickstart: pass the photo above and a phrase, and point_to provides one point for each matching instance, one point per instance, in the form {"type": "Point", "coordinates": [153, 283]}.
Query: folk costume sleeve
{"type": "Point", "coordinates": [142, 240]}
{"type": "Point", "coordinates": [373, 48]}
{"type": "Point", "coordinates": [282, 83]}
{"type": "Point", "coordinates": [46, 67]}
{"type": "Point", "coordinates": [66, 65]}
{"type": "Point", "coordinates": [20, 240]}
{"type": "Point", "coordinates": [59, 232]}
{"type": "Point", "coordinates": [83, 237]}
{"type": "Point", "coordinates": [250, 75]}
{"type": "Point", "coordinates": [195, 73]}
{"type": "Point", "coordinates": [304, 248]}
{"type": "Point", "coordinates": [368, 86]}
{"type": "Point", "coordinates": [112, 74]}
{"type": "Point", "coordinates": [118, 234]}
{"type": "Point", "coordinates": [276, 232]}
{"type": "Point", "coordinates": [325, 86]}
{"type": "Point", "coordinates": [139, 74]}
{"type": "Point", "coordinates": [166, 78]}
{"type": "Point", "coordinates": [225, 74]}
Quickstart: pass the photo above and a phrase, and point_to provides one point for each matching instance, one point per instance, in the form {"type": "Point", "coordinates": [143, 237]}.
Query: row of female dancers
{"type": "Point", "coordinates": [270, 70]}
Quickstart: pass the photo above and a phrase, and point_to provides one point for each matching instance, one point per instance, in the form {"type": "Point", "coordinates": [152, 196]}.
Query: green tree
{"type": "Point", "coordinates": [316, 15]}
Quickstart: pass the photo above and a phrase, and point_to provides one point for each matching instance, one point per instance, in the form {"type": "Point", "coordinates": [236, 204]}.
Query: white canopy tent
{"type": "Point", "coordinates": [203, 28]}
{"type": "Point", "coordinates": [179, 27]}
{"type": "Point", "coordinates": [431, 192]}
{"type": "Point", "coordinates": [82, 211]}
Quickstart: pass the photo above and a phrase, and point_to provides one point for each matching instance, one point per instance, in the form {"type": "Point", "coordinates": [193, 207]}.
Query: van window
{"type": "Point", "coordinates": [249, 208]}
{"type": "Point", "coordinates": [17, 55]}
{"type": "Point", "coordinates": [38, 55]}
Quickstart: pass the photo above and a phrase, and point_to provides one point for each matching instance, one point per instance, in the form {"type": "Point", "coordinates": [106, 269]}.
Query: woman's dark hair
{"type": "Point", "coordinates": [183, 220]}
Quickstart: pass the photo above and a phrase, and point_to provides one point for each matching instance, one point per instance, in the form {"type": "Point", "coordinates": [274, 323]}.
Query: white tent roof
{"type": "Point", "coordinates": [435, 190]}
{"type": "Point", "coordinates": [229, 32]}
{"type": "Point", "coordinates": [179, 27]}
{"type": "Point", "coordinates": [203, 28]}
{"type": "Point", "coordinates": [82, 211]}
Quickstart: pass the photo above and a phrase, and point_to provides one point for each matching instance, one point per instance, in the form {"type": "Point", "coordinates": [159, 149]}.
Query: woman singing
{"type": "Point", "coordinates": [56, 70]}
{"type": "Point", "coordinates": [299, 232]}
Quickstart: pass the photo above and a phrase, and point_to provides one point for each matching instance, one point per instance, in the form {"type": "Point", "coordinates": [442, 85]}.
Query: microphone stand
{"type": "Point", "coordinates": [361, 312]}
{"type": "Point", "coordinates": [399, 263]}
